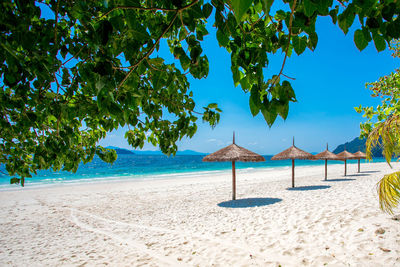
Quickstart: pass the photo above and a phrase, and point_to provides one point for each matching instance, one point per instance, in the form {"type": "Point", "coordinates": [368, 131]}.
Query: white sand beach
{"type": "Point", "coordinates": [191, 222]}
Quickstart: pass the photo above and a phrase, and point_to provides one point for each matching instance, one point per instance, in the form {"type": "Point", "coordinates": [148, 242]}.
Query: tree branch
{"type": "Point", "coordinates": [55, 24]}
{"type": "Point", "coordinates": [58, 92]}
{"type": "Point", "coordinates": [341, 3]}
{"type": "Point", "coordinates": [152, 67]}
{"type": "Point", "coordinates": [151, 8]}
{"type": "Point", "coordinates": [133, 67]}
{"type": "Point", "coordinates": [198, 113]}
{"type": "Point", "coordinates": [257, 21]}
{"type": "Point", "coordinates": [287, 48]}
{"type": "Point", "coordinates": [288, 76]}
{"type": "Point", "coordinates": [80, 50]}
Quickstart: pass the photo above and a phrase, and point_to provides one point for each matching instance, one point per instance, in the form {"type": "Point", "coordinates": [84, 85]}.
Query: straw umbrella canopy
{"type": "Point", "coordinates": [345, 155]}
{"type": "Point", "coordinates": [233, 153]}
{"type": "Point", "coordinates": [326, 155]}
{"type": "Point", "coordinates": [359, 155]}
{"type": "Point", "coordinates": [292, 153]}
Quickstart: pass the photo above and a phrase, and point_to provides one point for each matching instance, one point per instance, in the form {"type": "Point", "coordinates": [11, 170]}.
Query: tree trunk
{"type": "Point", "coordinates": [233, 181]}
{"type": "Point", "coordinates": [292, 172]}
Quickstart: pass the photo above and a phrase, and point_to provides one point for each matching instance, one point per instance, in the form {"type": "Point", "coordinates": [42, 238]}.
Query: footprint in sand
{"type": "Point", "coordinates": [103, 226]}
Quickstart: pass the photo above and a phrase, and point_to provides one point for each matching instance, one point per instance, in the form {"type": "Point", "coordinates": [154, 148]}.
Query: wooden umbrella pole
{"type": "Point", "coordinates": [233, 181]}
{"type": "Point", "coordinates": [358, 165]}
{"type": "Point", "coordinates": [345, 167]}
{"type": "Point", "coordinates": [292, 172]}
{"type": "Point", "coordinates": [326, 169]}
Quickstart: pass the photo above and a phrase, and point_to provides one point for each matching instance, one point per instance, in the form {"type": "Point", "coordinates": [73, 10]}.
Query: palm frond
{"type": "Point", "coordinates": [385, 134]}
{"type": "Point", "coordinates": [389, 192]}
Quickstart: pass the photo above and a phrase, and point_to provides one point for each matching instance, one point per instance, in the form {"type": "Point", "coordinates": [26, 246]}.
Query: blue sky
{"type": "Point", "coordinates": [329, 83]}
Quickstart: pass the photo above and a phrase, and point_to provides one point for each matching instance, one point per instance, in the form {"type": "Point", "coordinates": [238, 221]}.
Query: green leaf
{"type": "Point", "coordinates": [232, 23]}
{"type": "Point", "coordinates": [236, 75]}
{"type": "Point", "coordinates": [195, 12]}
{"type": "Point", "coordinates": [139, 32]}
{"type": "Point", "coordinates": [157, 61]}
{"type": "Point", "coordinates": [393, 29]}
{"type": "Point", "coordinates": [322, 7]}
{"type": "Point", "coordinates": [254, 109]}
{"type": "Point", "coordinates": [299, 44]}
{"type": "Point", "coordinates": [10, 79]}
{"type": "Point", "coordinates": [281, 15]}
{"type": "Point", "coordinates": [240, 8]}
{"type": "Point", "coordinates": [388, 11]}
{"type": "Point", "coordinates": [286, 92]}
{"type": "Point", "coordinates": [367, 34]}
{"type": "Point", "coordinates": [346, 19]}
{"type": "Point", "coordinates": [158, 80]}
{"type": "Point", "coordinates": [207, 9]}
{"type": "Point", "coordinates": [254, 100]}
{"type": "Point", "coordinates": [223, 40]}
{"type": "Point", "coordinates": [14, 180]}
{"type": "Point", "coordinates": [283, 110]}
{"type": "Point", "coordinates": [379, 41]}
{"type": "Point", "coordinates": [309, 8]}
{"type": "Point", "coordinates": [244, 83]}
{"type": "Point", "coordinates": [333, 13]}
{"type": "Point", "coordinates": [359, 40]}
{"type": "Point", "coordinates": [185, 61]}
{"type": "Point", "coordinates": [269, 114]}
{"type": "Point", "coordinates": [313, 40]}
{"type": "Point", "coordinates": [266, 5]}
{"type": "Point", "coordinates": [182, 34]}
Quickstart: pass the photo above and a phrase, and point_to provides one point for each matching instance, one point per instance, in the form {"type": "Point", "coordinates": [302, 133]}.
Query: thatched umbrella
{"type": "Point", "coordinates": [326, 155]}
{"type": "Point", "coordinates": [345, 155]}
{"type": "Point", "coordinates": [292, 153]}
{"type": "Point", "coordinates": [359, 155]}
{"type": "Point", "coordinates": [233, 153]}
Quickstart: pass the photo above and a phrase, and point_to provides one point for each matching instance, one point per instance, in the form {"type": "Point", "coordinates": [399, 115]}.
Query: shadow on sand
{"type": "Point", "coordinates": [249, 202]}
{"type": "Point", "coordinates": [369, 171]}
{"type": "Point", "coordinates": [307, 188]}
{"type": "Point", "coordinates": [338, 180]}
{"type": "Point", "coordinates": [358, 174]}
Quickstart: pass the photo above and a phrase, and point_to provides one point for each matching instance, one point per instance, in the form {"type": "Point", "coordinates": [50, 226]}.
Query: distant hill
{"type": "Point", "coordinates": [358, 144]}
{"type": "Point", "coordinates": [121, 151]}
{"type": "Point", "coordinates": [158, 152]}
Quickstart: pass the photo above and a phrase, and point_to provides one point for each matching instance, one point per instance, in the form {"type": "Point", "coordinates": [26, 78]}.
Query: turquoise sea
{"type": "Point", "coordinates": [131, 167]}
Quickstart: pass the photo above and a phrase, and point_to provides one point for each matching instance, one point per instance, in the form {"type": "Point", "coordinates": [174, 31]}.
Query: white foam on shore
{"type": "Point", "coordinates": [51, 182]}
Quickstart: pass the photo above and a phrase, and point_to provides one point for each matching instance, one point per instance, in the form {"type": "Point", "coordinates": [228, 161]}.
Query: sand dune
{"type": "Point", "coordinates": [192, 222]}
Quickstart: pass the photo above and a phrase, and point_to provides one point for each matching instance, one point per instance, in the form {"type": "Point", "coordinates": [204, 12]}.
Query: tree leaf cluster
{"type": "Point", "coordinates": [69, 80]}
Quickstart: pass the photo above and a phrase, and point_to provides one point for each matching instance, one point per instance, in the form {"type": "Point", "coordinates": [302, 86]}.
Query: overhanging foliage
{"type": "Point", "coordinates": [67, 81]}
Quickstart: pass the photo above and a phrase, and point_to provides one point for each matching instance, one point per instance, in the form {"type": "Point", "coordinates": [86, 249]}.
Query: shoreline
{"type": "Point", "coordinates": [193, 222]}
{"type": "Point", "coordinates": [158, 176]}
